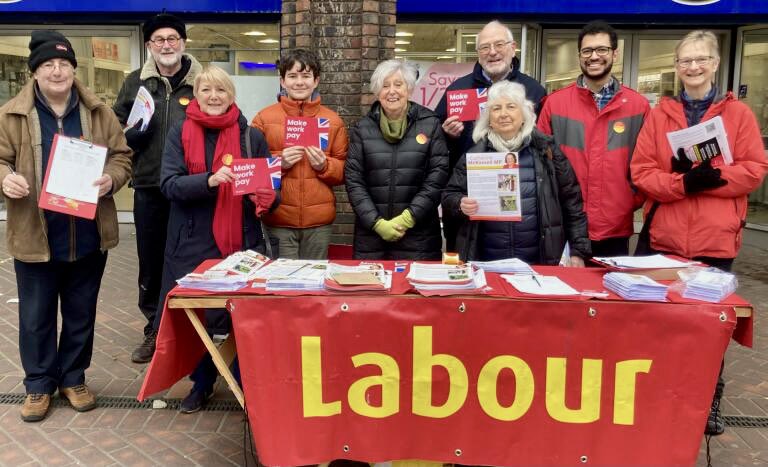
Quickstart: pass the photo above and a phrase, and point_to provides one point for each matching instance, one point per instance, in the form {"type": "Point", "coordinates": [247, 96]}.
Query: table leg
{"type": "Point", "coordinates": [218, 360]}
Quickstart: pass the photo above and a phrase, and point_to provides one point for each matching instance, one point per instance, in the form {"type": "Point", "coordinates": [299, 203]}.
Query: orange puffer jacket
{"type": "Point", "coordinates": [307, 198]}
{"type": "Point", "coordinates": [708, 223]}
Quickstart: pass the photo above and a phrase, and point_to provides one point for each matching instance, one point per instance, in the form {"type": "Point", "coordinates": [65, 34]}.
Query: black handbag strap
{"type": "Point", "coordinates": [646, 230]}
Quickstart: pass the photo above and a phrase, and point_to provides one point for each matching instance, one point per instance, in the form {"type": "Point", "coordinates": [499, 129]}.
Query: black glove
{"type": "Point", "coordinates": [138, 139]}
{"type": "Point", "coordinates": [703, 177]}
{"type": "Point", "coordinates": [681, 164]}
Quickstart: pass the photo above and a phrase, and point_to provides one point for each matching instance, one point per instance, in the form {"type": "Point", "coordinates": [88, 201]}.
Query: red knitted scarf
{"type": "Point", "coordinates": [228, 215]}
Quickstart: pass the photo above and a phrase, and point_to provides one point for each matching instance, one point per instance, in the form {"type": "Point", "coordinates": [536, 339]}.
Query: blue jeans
{"type": "Point", "coordinates": [41, 286]}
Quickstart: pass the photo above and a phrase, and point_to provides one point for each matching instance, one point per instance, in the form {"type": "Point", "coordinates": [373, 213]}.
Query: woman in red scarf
{"type": "Point", "coordinates": [206, 219]}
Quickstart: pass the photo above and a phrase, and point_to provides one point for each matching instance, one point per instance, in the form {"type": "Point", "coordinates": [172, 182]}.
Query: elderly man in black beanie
{"type": "Point", "coordinates": [168, 75]}
{"type": "Point", "coordinates": [57, 257]}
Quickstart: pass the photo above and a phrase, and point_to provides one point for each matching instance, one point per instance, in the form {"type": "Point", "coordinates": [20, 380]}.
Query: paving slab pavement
{"type": "Point", "coordinates": [142, 436]}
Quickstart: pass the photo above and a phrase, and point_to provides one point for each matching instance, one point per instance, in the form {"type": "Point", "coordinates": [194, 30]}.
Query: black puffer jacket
{"type": "Point", "coordinates": [170, 107]}
{"type": "Point", "coordinates": [383, 179]}
{"type": "Point", "coordinates": [560, 209]}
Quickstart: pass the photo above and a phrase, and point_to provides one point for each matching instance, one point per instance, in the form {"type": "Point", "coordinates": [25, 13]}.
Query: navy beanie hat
{"type": "Point", "coordinates": [46, 45]}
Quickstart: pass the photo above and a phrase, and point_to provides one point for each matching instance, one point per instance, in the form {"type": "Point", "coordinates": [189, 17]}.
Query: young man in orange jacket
{"type": "Point", "coordinates": [302, 222]}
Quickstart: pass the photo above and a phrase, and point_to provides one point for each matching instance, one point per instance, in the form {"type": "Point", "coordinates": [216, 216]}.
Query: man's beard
{"type": "Point", "coordinates": [606, 71]}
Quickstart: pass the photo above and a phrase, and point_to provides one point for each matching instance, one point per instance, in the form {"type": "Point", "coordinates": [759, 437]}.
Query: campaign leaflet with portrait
{"type": "Point", "coordinates": [493, 180]}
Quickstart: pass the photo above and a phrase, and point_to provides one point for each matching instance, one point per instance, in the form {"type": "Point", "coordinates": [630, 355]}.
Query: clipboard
{"type": "Point", "coordinates": [62, 204]}
{"type": "Point", "coordinates": [659, 274]}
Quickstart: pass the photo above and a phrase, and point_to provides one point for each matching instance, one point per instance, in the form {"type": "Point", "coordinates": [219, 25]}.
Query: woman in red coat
{"type": "Point", "coordinates": [698, 209]}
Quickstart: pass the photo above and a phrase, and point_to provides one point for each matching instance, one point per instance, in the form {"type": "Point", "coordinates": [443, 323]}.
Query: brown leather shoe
{"type": "Point", "coordinates": [81, 398]}
{"type": "Point", "coordinates": [35, 407]}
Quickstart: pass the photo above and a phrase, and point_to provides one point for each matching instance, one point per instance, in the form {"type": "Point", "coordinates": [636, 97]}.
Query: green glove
{"type": "Point", "coordinates": [387, 230]}
{"type": "Point", "coordinates": [405, 219]}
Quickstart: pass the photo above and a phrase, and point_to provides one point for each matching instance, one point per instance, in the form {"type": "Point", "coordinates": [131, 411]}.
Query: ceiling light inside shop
{"type": "Point", "coordinates": [268, 41]}
{"type": "Point", "coordinates": [403, 34]}
{"type": "Point", "coordinates": [402, 42]}
{"type": "Point", "coordinates": [401, 50]}
{"type": "Point", "coordinates": [254, 33]}
{"type": "Point", "coordinates": [446, 57]}
{"type": "Point", "coordinates": [452, 49]}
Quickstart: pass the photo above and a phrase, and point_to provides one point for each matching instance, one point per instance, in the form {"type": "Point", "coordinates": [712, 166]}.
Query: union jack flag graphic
{"type": "Point", "coordinates": [274, 167]}
{"type": "Point", "coordinates": [482, 93]}
{"type": "Point", "coordinates": [323, 123]}
{"type": "Point", "coordinates": [323, 139]}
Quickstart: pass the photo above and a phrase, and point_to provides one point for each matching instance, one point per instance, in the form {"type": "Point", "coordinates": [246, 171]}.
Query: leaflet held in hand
{"type": "Point", "coordinates": [143, 109]}
{"type": "Point", "coordinates": [493, 180]}
{"type": "Point", "coordinates": [466, 103]}
{"type": "Point", "coordinates": [251, 174]}
{"type": "Point", "coordinates": [705, 141]}
{"type": "Point", "coordinates": [307, 131]}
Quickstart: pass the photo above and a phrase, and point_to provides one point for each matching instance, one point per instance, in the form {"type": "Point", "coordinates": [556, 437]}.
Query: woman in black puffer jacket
{"type": "Point", "coordinates": [397, 166]}
{"type": "Point", "coordinates": [550, 198]}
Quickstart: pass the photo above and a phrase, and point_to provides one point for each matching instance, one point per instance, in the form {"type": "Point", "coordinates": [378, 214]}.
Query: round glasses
{"type": "Point", "coordinates": [499, 45]}
{"type": "Point", "coordinates": [159, 41]}
{"type": "Point", "coordinates": [687, 62]}
{"type": "Point", "coordinates": [586, 52]}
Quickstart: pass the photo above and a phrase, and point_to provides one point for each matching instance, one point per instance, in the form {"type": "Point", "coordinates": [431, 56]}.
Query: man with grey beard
{"type": "Point", "coordinates": [168, 75]}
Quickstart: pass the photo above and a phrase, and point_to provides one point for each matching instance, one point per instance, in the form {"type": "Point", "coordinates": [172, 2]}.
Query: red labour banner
{"type": "Point", "coordinates": [478, 380]}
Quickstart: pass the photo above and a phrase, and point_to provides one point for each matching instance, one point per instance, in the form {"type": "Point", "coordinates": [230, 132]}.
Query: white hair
{"type": "Point", "coordinates": [387, 68]}
{"type": "Point", "coordinates": [510, 37]}
{"type": "Point", "coordinates": [514, 92]}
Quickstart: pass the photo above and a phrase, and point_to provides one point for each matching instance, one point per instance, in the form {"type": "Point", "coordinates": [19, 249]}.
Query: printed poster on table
{"type": "Point", "coordinates": [307, 131]}
{"type": "Point", "coordinates": [493, 180]}
{"type": "Point", "coordinates": [467, 104]}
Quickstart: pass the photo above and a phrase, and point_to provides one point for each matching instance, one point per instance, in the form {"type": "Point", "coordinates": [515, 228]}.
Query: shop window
{"type": "Point", "coordinates": [103, 62]}
{"type": "Point", "coordinates": [753, 90]}
{"type": "Point", "coordinates": [443, 52]}
{"type": "Point", "coordinates": [248, 52]}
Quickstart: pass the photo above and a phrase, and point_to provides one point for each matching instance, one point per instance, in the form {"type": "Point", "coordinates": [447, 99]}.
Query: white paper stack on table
{"type": "Point", "coordinates": [509, 266]}
{"type": "Point", "coordinates": [535, 284]}
{"type": "Point", "coordinates": [635, 287]}
{"type": "Point", "coordinates": [365, 277]}
{"type": "Point", "coordinates": [708, 285]}
{"type": "Point", "coordinates": [293, 274]}
{"type": "Point", "coordinates": [213, 281]}
{"type": "Point", "coordinates": [446, 277]}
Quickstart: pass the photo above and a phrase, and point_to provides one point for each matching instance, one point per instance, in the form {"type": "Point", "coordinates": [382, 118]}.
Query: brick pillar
{"type": "Point", "coordinates": [350, 38]}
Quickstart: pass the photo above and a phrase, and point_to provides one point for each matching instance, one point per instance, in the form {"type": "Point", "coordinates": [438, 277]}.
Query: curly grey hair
{"type": "Point", "coordinates": [516, 93]}
{"type": "Point", "coordinates": [387, 68]}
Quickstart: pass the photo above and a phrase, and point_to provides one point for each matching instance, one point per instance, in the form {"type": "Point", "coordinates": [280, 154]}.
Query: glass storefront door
{"type": "Point", "coordinates": [751, 87]}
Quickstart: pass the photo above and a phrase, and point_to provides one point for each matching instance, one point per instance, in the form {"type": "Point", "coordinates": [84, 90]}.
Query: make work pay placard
{"type": "Point", "coordinates": [467, 103]}
{"type": "Point", "coordinates": [307, 131]}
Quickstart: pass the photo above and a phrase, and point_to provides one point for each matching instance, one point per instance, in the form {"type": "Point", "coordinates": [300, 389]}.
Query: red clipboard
{"type": "Point", "coordinates": [57, 203]}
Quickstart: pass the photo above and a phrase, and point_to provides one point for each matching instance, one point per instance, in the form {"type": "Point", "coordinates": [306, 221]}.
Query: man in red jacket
{"type": "Point", "coordinates": [596, 121]}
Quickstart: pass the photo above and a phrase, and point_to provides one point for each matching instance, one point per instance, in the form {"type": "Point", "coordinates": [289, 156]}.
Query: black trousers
{"type": "Point", "coordinates": [150, 217]}
{"type": "Point", "coordinates": [41, 286]}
